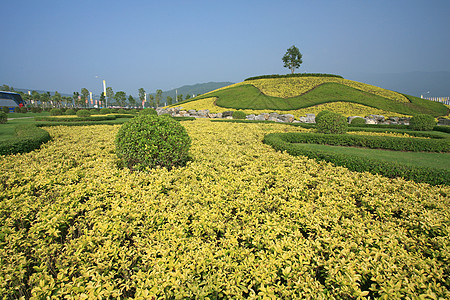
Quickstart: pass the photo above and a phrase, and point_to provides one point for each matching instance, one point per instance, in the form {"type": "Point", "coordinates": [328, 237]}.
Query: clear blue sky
{"type": "Point", "coordinates": [64, 45]}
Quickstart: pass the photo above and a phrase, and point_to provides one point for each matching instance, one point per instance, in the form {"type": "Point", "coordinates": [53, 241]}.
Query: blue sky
{"type": "Point", "coordinates": [64, 45]}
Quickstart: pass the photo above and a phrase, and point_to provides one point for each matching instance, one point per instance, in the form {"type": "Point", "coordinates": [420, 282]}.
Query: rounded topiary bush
{"type": "Point", "coordinates": [105, 111]}
{"type": "Point", "coordinates": [5, 109]}
{"type": "Point", "coordinates": [422, 122]}
{"type": "Point", "coordinates": [149, 141]}
{"type": "Point", "coordinates": [148, 111]}
{"type": "Point", "coordinates": [321, 114]}
{"type": "Point", "coordinates": [36, 109]}
{"type": "Point", "coordinates": [358, 121]}
{"type": "Point", "coordinates": [56, 112]}
{"type": "Point", "coordinates": [70, 112]}
{"type": "Point", "coordinates": [240, 115]}
{"type": "Point", "coordinates": [122, 111]}
{"type": "Point", "coordinates": [3, 117]}
{"type": "Point", "coordinates": [83, 113]}
{"type": "Point", "coordinates": [331, 122]}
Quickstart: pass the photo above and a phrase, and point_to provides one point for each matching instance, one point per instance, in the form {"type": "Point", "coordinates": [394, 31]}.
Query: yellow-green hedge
{"type": "Point", "coordinates": [239, 221]}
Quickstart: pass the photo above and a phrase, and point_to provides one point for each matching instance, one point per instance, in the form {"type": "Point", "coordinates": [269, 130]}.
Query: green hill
{"type": "Point", "coordinates": [300, 93]}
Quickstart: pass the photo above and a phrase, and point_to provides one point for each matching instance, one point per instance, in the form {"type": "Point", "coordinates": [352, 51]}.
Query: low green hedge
{"type": "Point", "coordinates": [78, 119]}
{"type": "Point", "coordinates": [27, 138]}
{"type": "Point", "coordinates": [374, 142]}
{"type": "Point", "coordinates": [281, 142]}
{"type": "Point", "coordinates": [294, 75]}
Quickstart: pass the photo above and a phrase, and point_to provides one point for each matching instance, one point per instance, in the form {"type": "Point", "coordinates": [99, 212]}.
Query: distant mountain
{"type": "Point", "coordinates": [429, 84]}
{"type": "Point", "coordinates": [195, 89]}
{"type": "Point", "coordinates": [40, 92]}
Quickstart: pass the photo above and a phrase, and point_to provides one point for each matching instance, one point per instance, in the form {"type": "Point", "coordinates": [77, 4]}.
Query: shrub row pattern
{"type": "Point", "coordinates": [239, 221]}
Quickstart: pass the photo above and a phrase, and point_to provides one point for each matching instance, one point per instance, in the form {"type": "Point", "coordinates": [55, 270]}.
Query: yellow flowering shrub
{"type": "Point", "coordinates": [295, 86]}
{"type": "Point", "coordinates": [345, 108]}
{"type": "Point", "coordinates": [239, 221]}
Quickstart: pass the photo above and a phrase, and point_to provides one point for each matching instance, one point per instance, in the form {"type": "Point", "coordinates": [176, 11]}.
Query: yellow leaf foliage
{"type": "Point", "coordinates": [239, 221]}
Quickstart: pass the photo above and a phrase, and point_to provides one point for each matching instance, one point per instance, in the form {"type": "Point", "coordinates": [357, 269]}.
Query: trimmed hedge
{"type": "Point", "coordinates": [294, 75]}
{"type": "Point", "coordinates": [422, 122]}
{"type": "Point", "coordinates": [27, 138]}
{"type": "Point", "coordinates": [281, 142]}
{"type": "Point", "coordinates": [358, 121]}
{"type": "Point", "coordinates": [83, 113]}
{"type": "Point", "coordinates": [150, 141]}
{"type": "Point", "coordinates": [331, 123]}
{"type": "Point", "coordinates": [56, 112]}
{"type": "Point", "coordinates": [239, 115]}
{"type": "Point", "coordinates": [442, 128]}
{"type": "Point", "coordinates": [3, 117]}
{"type": "Point", "coordinates": [374, 142]}
{"type": "Point", "coordinates": [78, 119]}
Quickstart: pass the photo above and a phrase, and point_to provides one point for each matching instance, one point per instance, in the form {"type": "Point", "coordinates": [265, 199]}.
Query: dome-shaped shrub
{"type": "Point", "coordinates": [422, 122]}
{"type": "Point", "coordinates": [238, 114]}
{"type": "Point", "coordinates": [148, 111]}
{"type": "Point", "coordinates": [55, 112]}
{"type": "Point", "coordinates": [358, 121]}
{"type": "Point", "coordinates": [105, 111]}
{"type": "Point", "coordinates": [321, 114]}
{"type": "Point", "coordinates": [148, 141]}
{"type": "Point", "coordinates": [331, 122]}
{"type": "Point", "coordinates": [82, 113]}
{"type": "Point", "coordinates": [3, 117]}
{"type": "Point", "coordinates": [70, 112]}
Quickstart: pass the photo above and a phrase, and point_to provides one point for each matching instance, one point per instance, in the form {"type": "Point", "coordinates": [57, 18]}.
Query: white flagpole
{"type": "Point", "coordinates": [104, 92]}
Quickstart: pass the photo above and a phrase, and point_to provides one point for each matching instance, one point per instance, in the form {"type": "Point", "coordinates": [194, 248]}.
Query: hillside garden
{"type": "Point", "coordinates": [256, 211]}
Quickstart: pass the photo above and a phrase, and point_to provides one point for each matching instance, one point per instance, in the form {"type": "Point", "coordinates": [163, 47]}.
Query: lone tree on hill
{"type": "Point", "coordinates": [292, 59]}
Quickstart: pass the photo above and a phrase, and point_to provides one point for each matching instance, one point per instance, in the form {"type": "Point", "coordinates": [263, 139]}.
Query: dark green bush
{"type": "Point", "coordinates": [3, 117]}
{"type": "Point", "coordinates": [293, 75]}
{"type": "Point", "coordinates": [5, 109]}
{"type": "Point", "coordinates": [331, 122]}
{"type": "Point", "coordinates": [149, 141]}
{"type": "Point", "coordinates": [55, 112]}
{"type": "Point", "coordinates": [148, 111]}
{"type": "Point", "coordinates": [70, 112]}
{"type": "Point", "coordinates": [123, 111]}
{"type": "Point", "coordinates": [83, 113]}
{"type": "Point", "coordinates": [422, 122]}
{"type": "Point", "coordinates": [321, 114]}
{"type": "Point", "coordinates": [239, 115]}
{"type": "Point", "coordinates": [105, 111]}
{"type": "Point", "coordinates": [358, 121]}
{"type": "Point", "coordinates": [36, 109]}
{"type": "Point", "coordinates": [27, 138]}
{"type": "Point", "coordinates": [19, 109]}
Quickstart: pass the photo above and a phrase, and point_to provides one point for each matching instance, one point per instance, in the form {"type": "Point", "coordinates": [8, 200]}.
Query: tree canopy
{"type": "Point", "coordinates": [292, 59]}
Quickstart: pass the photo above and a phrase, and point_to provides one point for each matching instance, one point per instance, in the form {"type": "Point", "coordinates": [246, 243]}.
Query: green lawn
{"type": "Point", "coordinates": [421, 159]}
{"type": "Point", "coordinates": [249, 97]}
{"type": "Point", "coordinates": [7, 130]}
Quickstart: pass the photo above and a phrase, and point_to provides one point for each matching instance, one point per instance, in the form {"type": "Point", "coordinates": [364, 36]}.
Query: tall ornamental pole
{"type": "Point", "coordinates": [104, 93]}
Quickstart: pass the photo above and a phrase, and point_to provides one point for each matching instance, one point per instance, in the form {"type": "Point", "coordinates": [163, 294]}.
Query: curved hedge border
{"type": "Point", "coordinates": [293, 75]}
{"type": "Point", "coordinates": [76, 119]}
{"type": "Point", "coordinates": [28, 137]}
{"type": "Point", "coordinates": [281, 142]}
{"type": "Point", "coordinates": [374, 142]}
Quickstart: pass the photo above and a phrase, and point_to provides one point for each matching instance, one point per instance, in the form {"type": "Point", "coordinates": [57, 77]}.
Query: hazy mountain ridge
{"type": "Point", "coordinates": [195, 89]}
